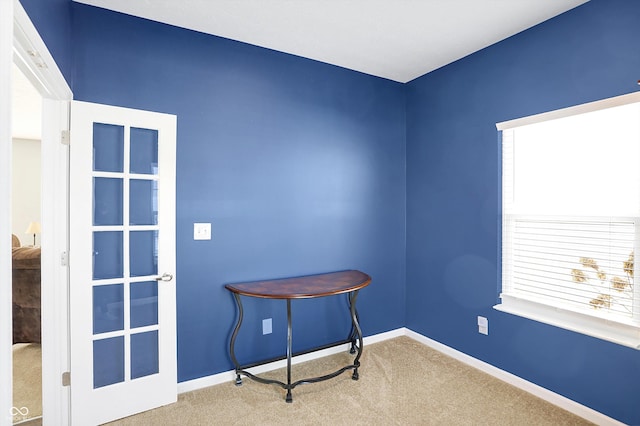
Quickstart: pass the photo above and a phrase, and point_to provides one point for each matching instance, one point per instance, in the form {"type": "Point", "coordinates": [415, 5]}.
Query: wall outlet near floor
{"type": "Point", "coordinates": [201, 231]}
{"type": "Point", "coordinates": [483, 325]}
{"type": "Point", "coordinates": [266, 326]}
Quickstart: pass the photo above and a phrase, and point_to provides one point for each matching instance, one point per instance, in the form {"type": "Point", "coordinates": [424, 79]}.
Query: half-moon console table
{"type": "Point", "coordinates": [311, 286]}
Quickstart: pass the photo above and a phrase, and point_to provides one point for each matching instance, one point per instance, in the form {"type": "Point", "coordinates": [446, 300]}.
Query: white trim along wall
{"type": "Point", "coordinates": [21, 44]}
{"type": "Point", "coordinates": [545, 394]}
{"type": "Point", "coordinates": [6, 49]}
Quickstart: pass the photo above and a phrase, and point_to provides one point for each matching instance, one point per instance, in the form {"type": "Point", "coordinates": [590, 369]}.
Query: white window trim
{"type": "Point", "coordinates": [616, 332]}
{"type": "Point", "coordinates": [626, 334]}
{"type": "Point", "coordinates": [569, 111]}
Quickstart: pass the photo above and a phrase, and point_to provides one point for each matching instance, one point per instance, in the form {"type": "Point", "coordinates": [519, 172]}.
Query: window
{"type": "Point", "coordinates": [571, 218]}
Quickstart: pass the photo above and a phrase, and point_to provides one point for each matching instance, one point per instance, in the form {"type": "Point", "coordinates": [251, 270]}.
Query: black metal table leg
{"type": "Point", "coordinates": [233, 340]}
{"type": "Point", "coordinates": [289, 398]}
{"type": "Point", "coordinates": [356, 326]}
{"type": "Point", "coordinates": [353, 333]}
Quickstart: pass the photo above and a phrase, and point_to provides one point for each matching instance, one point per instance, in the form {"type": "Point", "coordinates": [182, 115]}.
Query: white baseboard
{"type": "Point", "coordinates": [542, 393]}
{"type": "Point", "coordinates": [545, 394]}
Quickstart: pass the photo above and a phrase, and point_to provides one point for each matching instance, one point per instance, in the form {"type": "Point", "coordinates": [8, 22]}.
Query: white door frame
{"type": "Point", "coordinates": [6, 47]}
{"type": "Point", "coordinates": [21, 44]}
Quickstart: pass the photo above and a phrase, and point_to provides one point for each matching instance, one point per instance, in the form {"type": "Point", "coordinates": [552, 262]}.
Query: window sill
{"type": "Point", "coordinates": [615, 332]}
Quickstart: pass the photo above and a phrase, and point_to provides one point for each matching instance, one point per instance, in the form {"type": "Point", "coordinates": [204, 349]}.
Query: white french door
{"type": "Point", "coordinates": [122, 262]}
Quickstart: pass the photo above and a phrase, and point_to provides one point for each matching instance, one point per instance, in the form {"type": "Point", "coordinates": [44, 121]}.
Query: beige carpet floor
{"type": "Point", "coordinates": [402, 382]}
{"type": "Point", "coordinates": [27, 381]}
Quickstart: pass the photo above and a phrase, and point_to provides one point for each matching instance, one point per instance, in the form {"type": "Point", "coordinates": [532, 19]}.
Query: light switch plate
{"type": "Point", "coordinates": [201, 231]}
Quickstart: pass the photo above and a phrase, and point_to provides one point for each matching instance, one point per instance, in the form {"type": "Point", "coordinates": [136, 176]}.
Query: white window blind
{"type": "Point", "coordinates": [571, 216]}
{"type": "Point", "coordinates": [586, 264]}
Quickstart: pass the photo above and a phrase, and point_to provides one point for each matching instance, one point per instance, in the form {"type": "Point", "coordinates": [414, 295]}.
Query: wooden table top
{"type": "Point", "coordinates": [304, 287]}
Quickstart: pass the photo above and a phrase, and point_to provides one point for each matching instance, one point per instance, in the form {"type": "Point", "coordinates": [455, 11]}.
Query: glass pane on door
{"type": "Point", "coordinates": [144, 303]}
{"type": "Point", "coordinates": [108, 308]}
{"type": "Point", "coordinates": [108, 147]}
{"type": "Point", "coordinates": [144, 354]}
{"type": "Point", "coordinates": [143, 253]}
{"type": "Point", "coordinates": [144, 151]}
{"type": "Point", "coordinates": [143, 202]}
{"type": "Point", "coordinates": [107, 201]}
{"type": "Point", "coordinates": [107, 255]}
{"type": "Point", "coordinates": [108, 361]}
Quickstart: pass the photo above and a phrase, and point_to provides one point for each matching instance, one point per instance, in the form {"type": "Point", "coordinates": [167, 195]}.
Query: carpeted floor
{"type": "Point", "coordinates": [27, 381]}
{"type": "Point", "coordinates": [402, 382]}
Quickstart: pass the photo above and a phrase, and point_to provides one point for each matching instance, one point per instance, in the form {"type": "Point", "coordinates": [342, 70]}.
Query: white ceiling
{"type": "Point", "coordinates": [394, 39]}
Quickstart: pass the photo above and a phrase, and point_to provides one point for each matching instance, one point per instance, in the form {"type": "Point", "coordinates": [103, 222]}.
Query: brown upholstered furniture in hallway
{"type": "Point", "coordinates": [26, 293]}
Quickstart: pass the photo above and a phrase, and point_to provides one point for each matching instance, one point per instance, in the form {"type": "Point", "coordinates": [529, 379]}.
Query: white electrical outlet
{"type": "Point", "coordinates": [483, 325]}
{"type": "Point", "coordinates": [201, 231]}
{"type": "Point", "coordinates": [266, 326]}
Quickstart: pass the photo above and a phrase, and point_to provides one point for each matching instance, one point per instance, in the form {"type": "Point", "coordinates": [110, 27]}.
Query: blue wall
{"type": "Point", "coordinates": [453, 187]}
{"type": "Point", "coordinates": [298, 165]}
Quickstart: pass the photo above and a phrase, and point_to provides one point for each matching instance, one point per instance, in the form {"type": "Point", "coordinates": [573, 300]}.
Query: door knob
{"type": "Point", "coordinates": [165, 277]}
